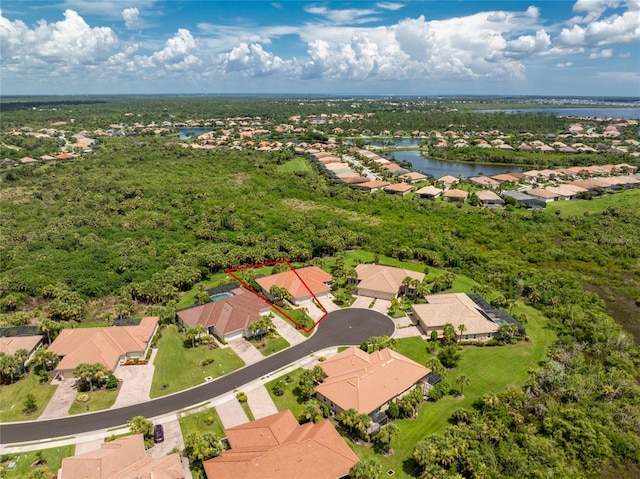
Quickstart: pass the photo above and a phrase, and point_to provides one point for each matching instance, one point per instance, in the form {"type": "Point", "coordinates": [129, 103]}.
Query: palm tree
{"type": "Point", "coordinates": [462, 328]}
{"type": "Point", "coordinates": [462, 380]}
{"type": "Point", "coordinates": [45, 357]}
{"type": "Point", "coordinates": [449, 333]}
{"type": "Point", "coordinates": [21, 356]}
{"type": "Point", "coordinates": [406, 282]}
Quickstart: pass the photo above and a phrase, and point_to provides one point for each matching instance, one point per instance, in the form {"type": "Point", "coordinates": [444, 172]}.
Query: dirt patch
{"type": "Point", "coordinates": [621, 308]}
{"type": "Point", "coordinates": [239, 178]}
{"type": "Point", "coordinates": [18, 195]}
{"type": "Point", "coordinates": [301, 205]}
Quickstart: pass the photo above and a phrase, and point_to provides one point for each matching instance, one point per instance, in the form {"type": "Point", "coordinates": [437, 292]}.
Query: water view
{"type": "Point", "coordinates": [188, 132]}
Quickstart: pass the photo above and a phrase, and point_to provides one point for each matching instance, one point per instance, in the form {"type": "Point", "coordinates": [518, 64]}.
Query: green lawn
{"type": "Point", "coordinates": [624, 199]}
{"type": "Point", "coordinates": [268, 346]}
{"type": "Point", "coordinates": [297, 164]}
{"type": "Point", "coordinates": [98, 400]}
{"type": "Point", "coordinates": [204, 421]}
{"type": "Point", "coordinates": [288, 400]}
{"type": "Point", "coordinates": [297, 315]}
{"type": "Point", "coordinates": [247, 410]}
{"type": "Point", "coordinates": [53, 458]}
{"type": "Point", "coordinates": [12, 398]}
{"type": "Point", "coordinates": [179, 367]}
{"type": "Point", "coordinates": [490, 370]}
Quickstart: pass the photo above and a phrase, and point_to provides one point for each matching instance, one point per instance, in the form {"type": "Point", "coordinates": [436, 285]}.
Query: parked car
{"type": "Point", "coordinates": [158, 433]}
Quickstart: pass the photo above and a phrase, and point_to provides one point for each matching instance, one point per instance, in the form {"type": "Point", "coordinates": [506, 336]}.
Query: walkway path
{"type": "Point", "coordinates": [287, 330]}
{"type": "Point", "coordinates": [247, 351]}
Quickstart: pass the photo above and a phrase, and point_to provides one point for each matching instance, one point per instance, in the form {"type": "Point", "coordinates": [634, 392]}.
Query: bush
{"type": "Point", "coordinates": [112, 382]}
{"type": "Point", "coordinates": [82, 398]}
{"type": "Point", "coordinates": [494, 342]}
{"type": "Point", "coordinates": [206, 362]}
{"type": "Point", "coordinates": [242, 396]}
{"type": "Point", "coordinates": [449, 356]}
{"type": "Point", "coordinates": [438, 391]}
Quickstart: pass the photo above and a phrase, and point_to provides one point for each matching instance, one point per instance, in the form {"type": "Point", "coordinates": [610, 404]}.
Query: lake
{"type": "Point", "coordinates": [440, 168]}
{"type": "Point", "coordinates": [596, 112]}
{"type": "Point", "coordinates": [197, 131]}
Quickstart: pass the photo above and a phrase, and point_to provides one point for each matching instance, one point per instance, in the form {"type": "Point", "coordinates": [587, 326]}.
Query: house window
{"type": "Point", "coordinates": [474, 336]}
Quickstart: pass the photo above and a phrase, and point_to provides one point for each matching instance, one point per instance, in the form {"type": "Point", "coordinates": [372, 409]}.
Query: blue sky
{"type": "Point", "coordinates": [568, 48]}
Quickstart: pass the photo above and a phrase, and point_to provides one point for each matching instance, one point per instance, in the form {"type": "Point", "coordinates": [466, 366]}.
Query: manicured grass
{"type": "Point", "coordinates": [198, 422]}
{"type": "Point", "coordinates": [52, 456]}
{"type": "Point", "coordinates": [247, 410]}
{"type": "Point", "coordinates": [98, 400]}
{"type": "Point", "coordinates": [297, 164]}
{"type": "Point", "coordinates": [179, 367]}
{"type": "Point", "coordinates": [490, 370]}
{"type": "Point", "coordinates": [271, 345]}
{"type": "Point", "coordinates": [623, 199]}
{"type": "Point", "coordinates": [297, 315]}
{"type": "Point", "coordinates": [289, 400]}
{"type": "Point", "coordinates": [12, 398]}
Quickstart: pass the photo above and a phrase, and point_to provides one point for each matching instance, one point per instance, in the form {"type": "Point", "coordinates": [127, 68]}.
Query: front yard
{"type": "Point", "coordinates": [50, 459]}
{"type": "Point", "coordinates": [98, 400]}
{"type": "Point", "coordinates": [178, 367]}
{"type": "Point", "coordinates": [12, 398]}
{"type": "Point", "coordinates": [268, 346]}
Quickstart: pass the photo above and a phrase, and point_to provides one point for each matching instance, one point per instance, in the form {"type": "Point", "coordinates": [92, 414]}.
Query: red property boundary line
{"type": "Point", "coordinates": [231, 272]}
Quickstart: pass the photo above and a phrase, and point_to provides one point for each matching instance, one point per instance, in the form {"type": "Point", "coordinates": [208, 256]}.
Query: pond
{"type": "Point", "coordinates": [438, 168]}
{"type": "Point", "coordinates": [187, 132]}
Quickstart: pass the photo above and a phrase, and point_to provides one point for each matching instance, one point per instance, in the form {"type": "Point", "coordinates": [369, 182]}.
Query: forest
{"type": "Point", "coordinates": [130, 227]}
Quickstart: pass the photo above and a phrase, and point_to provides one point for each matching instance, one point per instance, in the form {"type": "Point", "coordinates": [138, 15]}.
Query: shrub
{"type": "Point", "coordinates": [206, 362]}
{"type": "Point", "coordinates": [242, 396]}
{"type": "Point", "coordinates": [112, 382]}
{"type": "Point", "coordinates": [82, 398]}
{"type": "Point", "coordinates": [30, 404]}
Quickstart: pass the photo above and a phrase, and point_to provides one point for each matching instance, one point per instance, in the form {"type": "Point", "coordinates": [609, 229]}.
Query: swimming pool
{"type": "Point", "coordinates": [220, 296]}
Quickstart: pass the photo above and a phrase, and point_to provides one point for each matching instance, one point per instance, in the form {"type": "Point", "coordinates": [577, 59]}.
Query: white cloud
{"type": "Point", "coordinates": [349, 16]}
{"type": "Point", "coordinates": [177, 53]}
{"type": "Point", "coordinates": [106, 8]}
{"type": "Point", "coordinates": [131, 17]}
{"type": "Point", "coordinates": [614, 29]}
{"type": "Point", "coordinates": [592, 9]}
{"type": "Point", "coordinates": [253, 60]}
{"type": "Point", "coordinates": [564, 65]}
{"type": "Point", "coordinates": [606, 53]}
{"type": "Point", "coordinates": [533, 12]}
{"type": "Point", "coordinates": [390, 5]}
{"type": "Point", "coordinates": [58, 46]}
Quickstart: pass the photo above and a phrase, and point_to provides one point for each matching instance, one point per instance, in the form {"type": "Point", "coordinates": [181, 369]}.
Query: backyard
{"type": "Point", "coordinates": [178, 367]}
{"type": "Point", "coordinates": [51, 459]}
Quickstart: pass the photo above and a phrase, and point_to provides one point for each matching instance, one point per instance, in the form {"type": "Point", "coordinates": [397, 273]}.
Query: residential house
{"type": "Point", "coordinates": [401, 189]}
{"type": "Point", "coordinates": [429, 192]}
{"type": "Point", "coordinates": [277, 447]}
{"type": "Point", "coordinates": [529, 201]}
{"type": "Point", "coordinates": [490, 199]}
{"type": "Point", "coordinates": [302, 283]}
{"type": "Point", "coordinates": [508, 177]}
{"type": "Point", "coordinates": [485, 181]}
{"type": "Point", "coordinates": [567, 192]}
{"type": "Point", "coordinates": [372, 186]}
{"type": "Point", "coordinates": [27, 160]}
{"type": "Point", "coordinates": [123, 458]}
{"type": "Point", "coordinates": [369, 382]}
{"type": "Point", "coordinates": [542, 194]}
{"type": "Point", "coordinates": [228, 318]}
{"type": "Point", "coordinates": [455, 195]}
{"type": "Point", "coordinates": [456, 309]}
{"type": "Point", "coordinates": [384, 282]}
{"type": "Point", "coordinates": [414, 177]}
{"type": "Point", "coordinates": [109, 346]}
{"type": "Point", "coordinates": [448, 181]}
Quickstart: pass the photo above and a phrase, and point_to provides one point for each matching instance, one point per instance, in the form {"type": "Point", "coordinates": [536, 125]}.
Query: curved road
{"type": "Point", "coordinates": [346, 326]}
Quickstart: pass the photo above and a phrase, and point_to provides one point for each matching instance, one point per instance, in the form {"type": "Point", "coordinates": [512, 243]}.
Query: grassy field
{"type": "Point", "coordinates": [52, 458]}
{"type": "Point", "coordinates": [271, 345]}
{"type": "Point", "coordinates": [297, 164]}
{"type": "Point", "coordinates": [597, 205]}
{"type": "Point", "coordinates": [179, 367]}
{"type": "Point", "coordinates": [98, 400]}
{"type": "Point", "coordinates": [490, 370]}
{"type": "Point", "coordinates": [204, 421]}
{"type": "Point", "coordinates": [12, 398]}
{"type": "Point", "coordinates": [288, 400]}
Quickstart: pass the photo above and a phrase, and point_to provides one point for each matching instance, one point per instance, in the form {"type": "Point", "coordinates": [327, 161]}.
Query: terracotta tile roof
{"type": "Point", "coordinates": [370, 185]}
{"type": "Point", "coordinates": [123, 458]}
{"type": "Point", "coordinates": [506, 177]}
{"type": "Point", "coordinates": [227, 315]}
{"type": "Point", "coordinates": [456, 309]}
{"type": "Point", "coordinates": [455, 194]}
{"type": "Point", "coordinates": [414, 176]}
{"type": "Point", "coordinates": [12, 344]}
{"type": "Point", "coordinates": [104, 345]}
{"type": "Point", "coordinates": [385, 279]}
{"type": "Point", "coordinates": [449, 180]}
{"type": "Point", "coordinates": [486, 195]}
{"type": "Point", "coordinates": [429, 191]}
{"type": "Point", "coordinates": [278, 447]}
{"type": "Point", "coordinates": [399, 188]}
{"type": "Point", "coordinates": [364, 381]}
{"type": "Point", "coordinates": [485, 181]}
{"type": "Point", "coordinates": [313, 277]}
{"type": "Point", "coordinates": [566, 190]}
{"type": "Point", "coordinates": [540, 193]}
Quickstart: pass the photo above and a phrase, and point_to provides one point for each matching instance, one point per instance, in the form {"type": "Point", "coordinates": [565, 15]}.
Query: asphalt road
{"type": "Point", "coordinates": [343, 327]}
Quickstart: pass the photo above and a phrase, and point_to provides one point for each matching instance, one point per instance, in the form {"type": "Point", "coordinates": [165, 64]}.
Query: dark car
{"type": "Point", "coordinates": [158, 433]}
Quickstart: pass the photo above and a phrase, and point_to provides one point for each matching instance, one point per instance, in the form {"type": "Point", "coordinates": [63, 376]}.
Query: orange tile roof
{"type": "Point", "coordinates": [278, 447]}
{"type": "Point", "coordinates": [12, 344]}
{"type": "Point", "coordinates": [313, 281]}
{"type": "Point", "coordinates": [385, 279]}
{"type": "Point", "coordinates": [364, 381]}
{"type": "Point", "coordinates": [104, 345]}
{"type": "Point", "coordinates": [227, 315]}
{"type": "Point", "coordinates": [399, 188]}
{"type": "Point", "coordinates": [123, 458]}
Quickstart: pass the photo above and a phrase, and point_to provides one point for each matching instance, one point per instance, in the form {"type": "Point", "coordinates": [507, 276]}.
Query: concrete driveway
{"type": "Point", "coordinates": [247, 351]}
{"type": "Point", "coordinates": [136, 382]}
{"type": "Point", "coordinates": [62, 399]}
{"type": "Point", "coordinates": [260, 402]}
{"type": "Point", "coordinates": [231, 413]}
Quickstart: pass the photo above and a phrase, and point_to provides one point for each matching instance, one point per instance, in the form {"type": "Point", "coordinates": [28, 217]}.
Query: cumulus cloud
{"type": "Point", "coordinates": [616, 28]}
{"type": "Point", "coordinates": [177, 53]}
{"type": "Point", "coordinates": [606, 53]}
{"type": "Point", "coordinates": [564, 65]}
{"type": "Point", "coordinates": [64, 44]}
{"type": "Point", "coordinates": [254, 60]}
{"type": "Point", "coordinates": [592, 9]}
{"type": "Point", "coordinates": [131, 17]}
